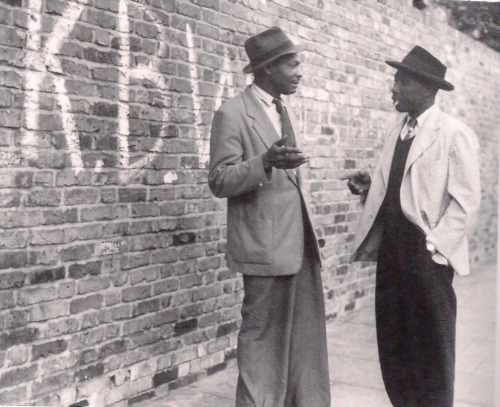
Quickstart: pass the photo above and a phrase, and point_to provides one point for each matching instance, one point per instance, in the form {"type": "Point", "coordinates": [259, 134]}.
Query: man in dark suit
{"type": "Point", "coordinates": [419, 207]}
{"type": "Point", "coordinates": [255, 163]}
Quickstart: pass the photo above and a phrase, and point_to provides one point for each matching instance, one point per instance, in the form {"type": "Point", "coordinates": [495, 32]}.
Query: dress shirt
{"type": "Point", "coordinates": [420, 122]}
{"type": "Point", "coordinates": [266, 100]}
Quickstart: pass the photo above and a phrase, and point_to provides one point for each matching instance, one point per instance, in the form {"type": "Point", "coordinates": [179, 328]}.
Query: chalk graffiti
{"type": "Point", "coordinates": [43, 62]}
{"type": "Point", "coordinates": [170, 177]}
{"type": "Point", "coordinates": [201, 147]}
{"type": "Point", "coordinates": [33, 61]}
{"type": "Point", "coordinates": [39, 62]}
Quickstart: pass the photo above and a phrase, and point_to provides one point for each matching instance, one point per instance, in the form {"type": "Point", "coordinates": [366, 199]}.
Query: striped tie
{"type": "Point", "coordinates": [411, 129]}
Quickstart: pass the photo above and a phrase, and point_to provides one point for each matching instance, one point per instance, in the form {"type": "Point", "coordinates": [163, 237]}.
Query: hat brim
{"type": "Point", "coordinates": [440, 83]}
{"type": "Point", "coordinates": [294, 49]}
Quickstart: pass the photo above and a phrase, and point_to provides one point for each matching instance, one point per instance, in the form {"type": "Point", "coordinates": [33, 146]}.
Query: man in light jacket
{"type": "Point", "coordinates": [255, 163]}
{"type": "Point", "coordinates": [419, 206]}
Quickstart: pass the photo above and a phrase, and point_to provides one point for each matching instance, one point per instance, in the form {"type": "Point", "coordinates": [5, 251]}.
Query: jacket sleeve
{"type": "Point", "coordinates": [464, 191]}
{"type": "Point", "coordinates": [229, 174]}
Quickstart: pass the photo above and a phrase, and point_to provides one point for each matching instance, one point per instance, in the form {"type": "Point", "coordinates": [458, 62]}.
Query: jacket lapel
{"type": "Point", "coordinates": [425, 137]}
{"type": "Point", "coordinates": [388, 153]}
{"type": "Point", "coordinates": [260, 121]}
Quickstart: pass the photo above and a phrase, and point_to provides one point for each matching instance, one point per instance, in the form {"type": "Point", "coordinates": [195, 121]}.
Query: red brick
{"type": "Point", "coordinates": [19, 336]}
{"type": "Point", "coordinates": [12, 260]}
{"type": "Point", "coordinates": [36, 295]}
{"type": "Point", "coordinates": [6, 299]}
{"type": "Point", "coordinates": [90, 372]}
{"type": "Point", "coordinates": [61, 327]}
{"type": "Point", "coordinates": [136, 293]}
{"type": "Point", "coordinates": [80, 196]}
{"type": "Point", "coordinates": [14, 395]}
{"type": "Point", "coordinates": [47, 255]}
{"type": "Point", "coordinates": [132, 194]}
{"type": "Point", "coordinates": [14, 319]}
{"type": "Point", "coordinates": [88, 286]}
{"type": "Point", "coordinates": [57, 217]}
{"type": "Point", "coordinates": [47, 237]}
{"type": "Point", "coordinates": [77, 252]}
{"type": "Point", "coordinates": [47, 275]}
{"type": "Point", "coordinates": [49, 384]}
{"type": "Point", "coordinates": [112, 348]}
{"type": "Point", "coordinates": [82, 304]}
{"type": "Point", "coordinates": [17, 376]}
{"type": "Point", "coordinates": [49, 348]}
{"type": "Point", "coordinates": [13, 239]}
{"type": "Point", "coordinates": [81, 270]}
{"type": "Point", "coordinates": [48, 310]}
{"type": "Point", "coordinates": [103, 213]}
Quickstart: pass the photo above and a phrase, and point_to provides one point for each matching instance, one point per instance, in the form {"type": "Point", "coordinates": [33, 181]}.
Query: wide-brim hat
{"type": "Point", "coordinates": [267, 46]}
{"type": "Point", "coordinates": [424, 65]}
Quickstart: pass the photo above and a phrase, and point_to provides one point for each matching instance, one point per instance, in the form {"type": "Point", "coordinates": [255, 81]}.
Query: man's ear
{"type": "Point", "coordinates": [431, 90]}
{"type": "Point", "coordinates": [268, 69]}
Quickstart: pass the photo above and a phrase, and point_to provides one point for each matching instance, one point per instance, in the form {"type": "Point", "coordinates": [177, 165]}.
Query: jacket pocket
{"type": "Point", "coordinates": [249, 240]}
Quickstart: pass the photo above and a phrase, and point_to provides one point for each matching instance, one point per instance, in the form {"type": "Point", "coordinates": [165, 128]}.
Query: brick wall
{"type": "Point", "coordinates": [113, 286]}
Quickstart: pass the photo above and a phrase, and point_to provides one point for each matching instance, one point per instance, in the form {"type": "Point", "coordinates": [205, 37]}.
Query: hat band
{"type": "Point", "coordinates": [268, 55]}
{"type": "Point", "coordinates": [430, 76]}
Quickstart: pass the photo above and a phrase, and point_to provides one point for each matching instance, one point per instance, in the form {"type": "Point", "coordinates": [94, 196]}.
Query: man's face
{"type": "Point", "coordinates": [408, 93]}
{"type": "Point", "coordinates": [285, 74]}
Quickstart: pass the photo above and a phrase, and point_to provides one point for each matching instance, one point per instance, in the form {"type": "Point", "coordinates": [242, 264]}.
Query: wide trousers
{"type": "Point", "coordinates": [416, 322]}
{"type": "Point", "coordinates": [282, 352]}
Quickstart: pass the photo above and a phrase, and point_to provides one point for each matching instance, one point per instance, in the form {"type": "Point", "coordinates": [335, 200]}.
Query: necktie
{"type": "Point", "coordinates": [411, 128]}
{"type": "Point", "coordinates": [286, 124]}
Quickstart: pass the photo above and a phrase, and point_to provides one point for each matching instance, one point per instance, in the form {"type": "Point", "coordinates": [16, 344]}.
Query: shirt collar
{"type": "Point", "coordinates": [262, 95]}
{"type": "Point", "coordinates": [422, 118]}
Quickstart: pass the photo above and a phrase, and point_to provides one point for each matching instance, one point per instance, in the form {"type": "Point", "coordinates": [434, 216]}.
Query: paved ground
{"type": "Point", "coordinates": [354, 369]}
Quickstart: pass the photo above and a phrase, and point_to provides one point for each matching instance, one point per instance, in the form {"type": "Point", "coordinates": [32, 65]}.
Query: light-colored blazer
{"type": "Point", "coordinates": [265, 217]}
{"type": "Point", "coordinates": [440, 190]}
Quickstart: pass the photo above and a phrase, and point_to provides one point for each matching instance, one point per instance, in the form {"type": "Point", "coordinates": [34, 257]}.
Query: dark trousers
{"type": "Point", "coordinates": [282, 353]}
{"type": "Point", "coordinates": [416, 319]}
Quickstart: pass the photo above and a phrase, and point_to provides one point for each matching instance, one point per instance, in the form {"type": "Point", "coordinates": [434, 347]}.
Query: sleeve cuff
{"type": "Point", "coordinates": [267, 173]}
{"type": "Point", "coordinates": [436, 256]}
{"type": "Point", "coordinates": [440, 259]}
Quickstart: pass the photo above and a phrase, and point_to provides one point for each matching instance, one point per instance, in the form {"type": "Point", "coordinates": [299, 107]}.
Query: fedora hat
{"type": "Point", "coordinates": [267, 46]}
{"type": "Point", "coordinates": [424, 65]}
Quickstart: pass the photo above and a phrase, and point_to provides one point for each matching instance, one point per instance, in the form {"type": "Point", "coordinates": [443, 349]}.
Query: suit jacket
{"type": "Point", "coordinates": [265, 217]}
{"type": "Point", "coordinates": [440, 190]}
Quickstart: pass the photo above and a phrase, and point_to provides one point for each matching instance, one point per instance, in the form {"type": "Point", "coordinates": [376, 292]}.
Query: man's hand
{"type": "Point", "coordinates": [282, 157]}
{"type": "Point", "coordinates": [359, 182]}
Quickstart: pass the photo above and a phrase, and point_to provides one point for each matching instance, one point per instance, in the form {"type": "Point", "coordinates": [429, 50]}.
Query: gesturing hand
{"type": "Point", "coordinates": [359, 182]}
{"type": "Point", "coordinates": [283, 157]}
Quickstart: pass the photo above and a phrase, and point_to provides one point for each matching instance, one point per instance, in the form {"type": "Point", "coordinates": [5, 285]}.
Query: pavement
{"type": "Point", "coordinates": [354, 368]}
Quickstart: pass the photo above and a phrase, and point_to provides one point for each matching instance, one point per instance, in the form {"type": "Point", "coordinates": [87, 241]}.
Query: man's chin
{"type": "Point", "coordinates": [400, 108]}
{"type": "Point", "coordinates": [291, 90]}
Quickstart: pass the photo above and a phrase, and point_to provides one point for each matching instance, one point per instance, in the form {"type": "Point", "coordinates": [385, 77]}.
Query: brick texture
{"type": "Point", "coordinates": [113, 285]}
